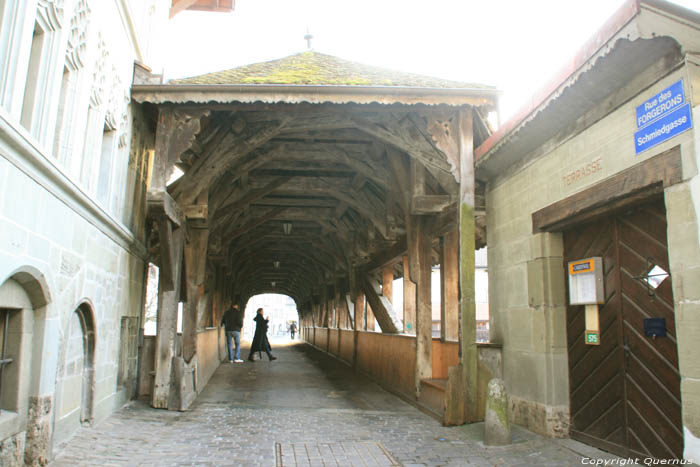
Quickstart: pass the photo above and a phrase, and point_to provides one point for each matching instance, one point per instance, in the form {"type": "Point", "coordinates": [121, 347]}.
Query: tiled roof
{"type": "Point", "coordinates": [313, 68]}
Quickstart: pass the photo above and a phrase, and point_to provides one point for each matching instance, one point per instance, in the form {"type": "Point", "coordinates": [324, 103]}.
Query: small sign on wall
{"type": "Point", "coordinates": [662, 117]}
{"type": "Point", "coordinates": [592, 337]}
{"type": "Point", "coordinates": [586, 281]}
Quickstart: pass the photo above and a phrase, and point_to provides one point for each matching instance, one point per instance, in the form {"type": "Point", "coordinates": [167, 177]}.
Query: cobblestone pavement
{"type": "Point", "coordinates": [303, 409]}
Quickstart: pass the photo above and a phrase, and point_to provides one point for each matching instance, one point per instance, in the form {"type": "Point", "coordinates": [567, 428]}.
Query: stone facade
{"type": "Point", "coordinates": [527, 281]}
{"type": "Point", "coordinates": [74, 158]}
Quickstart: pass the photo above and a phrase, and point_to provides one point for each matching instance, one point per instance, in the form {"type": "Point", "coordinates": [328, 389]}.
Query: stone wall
{"type": "Point", "coordinates": [69, 241]}
{"type": "Point", "coordinates": [683, 213]}
{"type": "Point", "coordinates": [527, 289]}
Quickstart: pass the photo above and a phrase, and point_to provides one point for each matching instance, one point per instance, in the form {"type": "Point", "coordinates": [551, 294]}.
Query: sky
{"type": "Point", "coordinates": [514, 45]}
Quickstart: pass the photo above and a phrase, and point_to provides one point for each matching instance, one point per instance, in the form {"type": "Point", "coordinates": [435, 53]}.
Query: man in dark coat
{"type": "Point", "coordinates": [233, 322]}
{"type": "Point", "coordinates": [260, 342]}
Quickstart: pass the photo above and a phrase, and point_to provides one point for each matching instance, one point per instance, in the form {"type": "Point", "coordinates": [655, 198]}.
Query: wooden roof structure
{"type": "Point", "coordinates": [308, 168]}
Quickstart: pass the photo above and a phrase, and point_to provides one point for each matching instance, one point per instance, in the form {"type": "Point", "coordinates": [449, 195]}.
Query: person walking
{"type": "Point", "coordinates": [260, 342]}
{"type": "Point", "coordinates": [233, 322]}
{"type": "Point", "coordinates": [293, 329]}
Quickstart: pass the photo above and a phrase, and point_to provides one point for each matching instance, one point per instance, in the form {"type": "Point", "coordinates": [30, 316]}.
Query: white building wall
{"type": "Point", "coordinates": [79, 248]}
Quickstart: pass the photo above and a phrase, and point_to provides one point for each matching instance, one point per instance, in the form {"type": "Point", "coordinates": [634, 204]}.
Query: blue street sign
{"type": "Point", "coordinates": [664, 128]}
{"type": "Point", "coordinates": [664, 102]}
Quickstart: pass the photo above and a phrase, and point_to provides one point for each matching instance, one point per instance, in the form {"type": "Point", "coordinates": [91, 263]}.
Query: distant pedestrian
{"type": "Point", "coordinates": [233, 322]}
{"type": "Point", "coordinates": [293, 329]}
{"type": "Point", "coordinates": [260, 342]}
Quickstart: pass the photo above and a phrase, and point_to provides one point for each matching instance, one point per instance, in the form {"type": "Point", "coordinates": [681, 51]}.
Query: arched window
{"type": "Point", "coordinates": [23, 413]}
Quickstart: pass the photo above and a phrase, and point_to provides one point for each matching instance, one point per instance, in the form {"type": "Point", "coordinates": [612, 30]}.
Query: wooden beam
{"type": "Point", "coordinates": [388, 256]}
{"type": "Point", "coordinates": [628, 187]}
{"type": "Point", "coordinates": [166, 324]}
{"type": "Point", "coordinates": [460, 400]}
{"type": "Point", "coordinates": [429, 204]}
{"type": "Point", "coordinates": [358, 320]}
{"type": "Point", "coordinates": [400, 175]}
{"type": "Point", "coordinates": [210, 166]}
{"type": "Point", "coordinates": [256, 194]}
{"type": "Point", "coordinates": [424, 310]}
{"type": "Point", "coordinates": [196, 211]}
{"type": "Point", "coordinates": [160, 204]}
{"type": "Point", "coordinates": [350, 307]}
{"type": "Point", "coordinates": [271, 214]}
{"type": "Point", "coordinates": [195, 269]}
{"type": "Point", "coordinates": [278, 198]}
{"type": "Point", "coordinates": [381, 307]}
{"type": "Point", "coordinates": [449, 286]}
{"type": "Point", "coordinates": [388, 283]}
{"type": "Point", "coordinates": [403, 135]}
{"type": "Point", "coordinates": [175, 133]}
{"type": "Point", "coordinates": [409, 300]}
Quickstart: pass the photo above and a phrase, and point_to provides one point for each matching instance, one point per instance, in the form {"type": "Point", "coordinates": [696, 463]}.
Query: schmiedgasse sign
{"type": "Point", "coordinates": [662, 117]}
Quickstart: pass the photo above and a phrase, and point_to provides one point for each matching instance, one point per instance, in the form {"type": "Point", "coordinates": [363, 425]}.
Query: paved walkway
{"type": "Point", "coordinates": [303, 409]}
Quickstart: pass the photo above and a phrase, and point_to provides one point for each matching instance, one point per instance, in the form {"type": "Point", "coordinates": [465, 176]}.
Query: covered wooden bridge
{"type": "Point", "coordinates": [323, 180]}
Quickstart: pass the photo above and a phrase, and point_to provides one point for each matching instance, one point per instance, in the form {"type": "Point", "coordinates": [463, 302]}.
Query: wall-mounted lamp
{"type": "Point", "coordinates": [273, 283]}
{"type": "Point", "coordinates": [276, 264]}
{"type": "Point", "coordinates": [287, 227]}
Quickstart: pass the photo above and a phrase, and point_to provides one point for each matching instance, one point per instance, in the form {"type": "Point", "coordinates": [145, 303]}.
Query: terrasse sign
{"type": "Point", "coordinates": [662, 117]}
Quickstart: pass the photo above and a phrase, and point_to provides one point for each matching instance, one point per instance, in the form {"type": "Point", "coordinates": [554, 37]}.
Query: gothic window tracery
{"type": "Point", "coordinates": [51, 12]}
{"type": "Point", "coordinates": [77, 38]}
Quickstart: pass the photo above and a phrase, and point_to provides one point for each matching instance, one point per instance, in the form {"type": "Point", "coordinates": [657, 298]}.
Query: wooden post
{"type": "Point", "coordinates": [460, 402]}
{"type": "Point", "coordinates": [424, 312]}
{"type": "Point", "coordinates": [466, 260]}
{"type": "Point", "coordinates": [195, 269]}
{"type": "Point", "coordinates": [359, 305]}
{"type": "Point", "coordinates": [388, 283]}
{"type": "Point", "coordinates": [409, 300]}
{"type": "Point", "coordinates": [167, 314]}
{"type": "Point", "coordinates": [369, 316]}
{"type": "Point", "coordinates": [359, 311]}
{"type": "Point", "coordinates": [449, 286]}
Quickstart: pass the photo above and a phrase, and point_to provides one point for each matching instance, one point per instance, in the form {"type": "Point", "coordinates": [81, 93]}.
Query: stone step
{"type": "Point", "coordinates": [432, 396]}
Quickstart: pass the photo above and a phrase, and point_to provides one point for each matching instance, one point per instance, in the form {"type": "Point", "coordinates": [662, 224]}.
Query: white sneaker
{"type": "Point", "coordinates": [238, 360]}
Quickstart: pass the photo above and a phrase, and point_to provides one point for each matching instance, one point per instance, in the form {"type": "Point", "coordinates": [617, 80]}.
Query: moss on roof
{"type": "Point", "coordinates": [313, 68]}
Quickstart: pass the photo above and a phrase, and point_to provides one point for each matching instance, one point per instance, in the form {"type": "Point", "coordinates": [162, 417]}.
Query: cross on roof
{"type": "Point", "coordinates": [308, 38]}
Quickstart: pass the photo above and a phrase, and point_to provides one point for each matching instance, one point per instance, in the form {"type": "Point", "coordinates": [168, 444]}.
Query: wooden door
{"type": "Point", "coordinates": [625, 393]}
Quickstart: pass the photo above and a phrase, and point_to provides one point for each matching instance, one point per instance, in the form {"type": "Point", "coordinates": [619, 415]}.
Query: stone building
{"type": "Point", "coordinates": [604, 163]}
{"type": "Point", "coordinates": [74, 162]}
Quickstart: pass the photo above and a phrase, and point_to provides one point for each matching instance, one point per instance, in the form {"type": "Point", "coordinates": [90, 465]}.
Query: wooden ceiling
{"type": "Point", "coordinates": [296, 196]}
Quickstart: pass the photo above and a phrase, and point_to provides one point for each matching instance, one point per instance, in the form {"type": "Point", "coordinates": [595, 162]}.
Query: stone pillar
{"type": "Point", "coordinates": [496, 423]}
{"type": "Point", "coordinates": [37, 450]}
